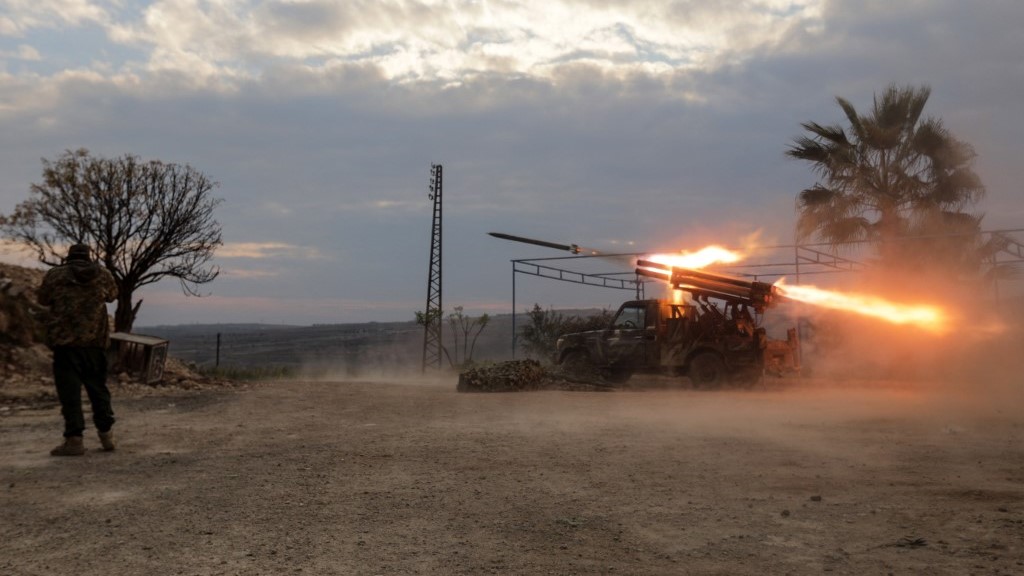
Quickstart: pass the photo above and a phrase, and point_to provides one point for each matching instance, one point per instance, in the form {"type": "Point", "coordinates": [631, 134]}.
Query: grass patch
{"type": "Point", "coordinates": [247, 373]}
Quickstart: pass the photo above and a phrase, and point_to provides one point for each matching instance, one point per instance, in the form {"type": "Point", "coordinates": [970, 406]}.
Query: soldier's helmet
{"type": "Point", "coordinates": [79, 252]}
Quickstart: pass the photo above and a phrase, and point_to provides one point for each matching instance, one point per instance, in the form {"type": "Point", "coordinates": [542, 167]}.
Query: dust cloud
{"type": "Point", "coordinates": [397, 362]}
{"type": "Point", "coordinates": [855, 368]}
{"type": "Point", "coordinates": [976, 364]}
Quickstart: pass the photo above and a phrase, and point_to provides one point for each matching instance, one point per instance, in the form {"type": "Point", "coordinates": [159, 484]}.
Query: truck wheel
{"type": "Point", "coordinates": [747, 379]}
{"type": "Point", "coordinates": [618, 375]}
{"type": "Point", "coordinates": [706, 370]}
{"type": "Point", "coordinates": [576, 360]}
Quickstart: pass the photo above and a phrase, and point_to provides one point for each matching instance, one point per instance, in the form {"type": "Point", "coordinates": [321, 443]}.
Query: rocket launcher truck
{"type": "Point", "coordinates": [715, 338]}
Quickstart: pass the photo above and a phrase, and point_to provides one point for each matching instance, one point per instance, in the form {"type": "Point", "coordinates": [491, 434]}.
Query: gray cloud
{"type": "Point", "coordinates": [331, 156]}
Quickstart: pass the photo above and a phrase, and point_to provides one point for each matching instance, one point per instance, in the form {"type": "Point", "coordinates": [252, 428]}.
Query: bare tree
{"type": "Point", "coordinates": [470, 329]}
{"type": "Point", "coordinates": [541, 335]}
{"type": "Point", "coordinates": [464, 331]}
{"type": "Point", "coordinates": [145, 221]}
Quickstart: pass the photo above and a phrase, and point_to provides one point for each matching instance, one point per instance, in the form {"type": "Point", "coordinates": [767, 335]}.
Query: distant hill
{"type": "Point", "coordinates": [353, 349]}
{"type": "Point", "coordinates": [197, 328]}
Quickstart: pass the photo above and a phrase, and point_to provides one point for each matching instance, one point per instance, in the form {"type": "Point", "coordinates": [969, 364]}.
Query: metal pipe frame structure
{"type": "Point", "coordinates": [530, 267]}
{"type": "Point", "coordinates": [808, 259]}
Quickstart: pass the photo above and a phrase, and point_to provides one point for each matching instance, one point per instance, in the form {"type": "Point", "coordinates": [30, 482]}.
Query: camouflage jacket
{"type": "Point", "coordinates": [76, 293]}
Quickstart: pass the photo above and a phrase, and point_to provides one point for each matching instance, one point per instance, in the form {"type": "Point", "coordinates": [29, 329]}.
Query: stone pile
{"type": "Point", "coordinates": [525, 375]}
{"type": "Point", "coordinates": [18, 326]}
{"type": "Point", "coordinates": [26, 379]}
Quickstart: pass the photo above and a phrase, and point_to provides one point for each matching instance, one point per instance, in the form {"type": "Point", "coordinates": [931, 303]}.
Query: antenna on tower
{"type": "Point", "coordinates": [432, 344]}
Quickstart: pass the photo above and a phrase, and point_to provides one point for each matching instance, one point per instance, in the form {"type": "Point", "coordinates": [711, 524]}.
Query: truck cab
{"type": "Point", "coordinates": [698, 340]}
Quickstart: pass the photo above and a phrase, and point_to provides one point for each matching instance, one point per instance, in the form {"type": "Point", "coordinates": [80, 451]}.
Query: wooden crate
{"type": "Point", "coordinates": [140, 354]}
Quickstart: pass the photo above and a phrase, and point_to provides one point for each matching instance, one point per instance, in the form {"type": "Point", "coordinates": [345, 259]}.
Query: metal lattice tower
{"type": "Point", "coordinates": [432, 346]}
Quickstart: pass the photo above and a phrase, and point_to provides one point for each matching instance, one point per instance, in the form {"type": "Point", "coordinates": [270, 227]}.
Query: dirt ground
{"type": "Point", "coordinates": [410, 477]}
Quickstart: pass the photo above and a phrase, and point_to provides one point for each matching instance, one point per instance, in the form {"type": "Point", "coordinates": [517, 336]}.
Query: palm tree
{"type": "Point", "coordinates": [889, 176]}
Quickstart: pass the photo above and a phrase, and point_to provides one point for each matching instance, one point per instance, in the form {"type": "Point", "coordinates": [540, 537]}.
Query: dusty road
{"type": "Point", "coordinates": [413, 478]}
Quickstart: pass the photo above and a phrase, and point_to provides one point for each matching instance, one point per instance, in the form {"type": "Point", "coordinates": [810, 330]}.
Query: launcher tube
{"type": "Point", "coordinates": [653, 265]}
{"type": "Point", "coordinates": [666, 275]}
{"type": "Point", "coordinates": [712, 277]}
{"type": "Point", "coordinates": [683, 282]}
{"type": "Point", "coordinates": [757, 294]}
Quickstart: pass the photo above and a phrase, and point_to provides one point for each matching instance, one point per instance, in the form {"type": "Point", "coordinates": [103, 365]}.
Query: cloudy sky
{"type": "Point", "coordinates": [623, 125]}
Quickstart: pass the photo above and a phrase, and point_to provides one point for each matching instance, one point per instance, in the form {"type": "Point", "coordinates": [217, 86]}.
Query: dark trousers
{"type": "Point", "coordinates": [73, 368]}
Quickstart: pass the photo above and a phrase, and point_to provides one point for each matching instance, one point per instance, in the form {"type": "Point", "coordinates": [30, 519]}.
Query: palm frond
{"type": "Point", "coordinates": [843, 230]}
{"type": "Point", "coordinates": [804, 148]}
{"type": "Point", "coordinates": [917, 100]}
{"type": "Point", "coordinates": [833, 134]}
{"type": "Point", "coordinates": [816, 196]}
{"type": "Point", "coordinates": [852, 117]}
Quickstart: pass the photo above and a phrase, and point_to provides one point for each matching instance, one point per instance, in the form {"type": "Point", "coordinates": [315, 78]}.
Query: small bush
{"type": "Point", "coordinates": [247, 373]}
{"type": "Point", "coordinates": [541, 335]}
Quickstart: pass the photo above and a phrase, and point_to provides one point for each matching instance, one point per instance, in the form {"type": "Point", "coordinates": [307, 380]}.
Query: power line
{"type": "Point", "coordinates": [432, 344]}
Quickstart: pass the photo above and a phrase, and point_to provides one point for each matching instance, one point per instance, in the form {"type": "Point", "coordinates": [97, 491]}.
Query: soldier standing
{"type": "Point", "coordinates": [78, 333]}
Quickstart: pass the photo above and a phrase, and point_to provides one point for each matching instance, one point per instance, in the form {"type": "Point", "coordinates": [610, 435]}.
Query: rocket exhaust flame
{"type": "Point", "coordinates": [927, 317]}
{"type": "Point", "coordinates": [700, 259]}
{"type": "Point", "coordinates": [682, 272]}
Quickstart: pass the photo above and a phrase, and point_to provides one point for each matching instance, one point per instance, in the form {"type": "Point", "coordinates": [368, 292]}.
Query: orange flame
{"type": "Point", "coordinates": [702, 258]}
{"type": "Point", "coordinates": [930, 318]}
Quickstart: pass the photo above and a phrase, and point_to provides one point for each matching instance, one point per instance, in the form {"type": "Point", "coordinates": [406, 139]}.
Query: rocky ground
{"type": "Point", "coordinates": [33, 389]}
{"type": "Point", "coordinates": [412, 477]}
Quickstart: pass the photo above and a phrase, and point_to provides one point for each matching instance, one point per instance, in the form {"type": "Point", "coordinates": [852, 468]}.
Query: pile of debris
{"type": "Point", "coordinates": [18, 327]}
{"type": "Point", "coordinates": [26, 378]}
{"type": "Point", "coordinates": [30, 385]}
{"type": "Point", "coordinates": [24, 362]}
{"type": "Point", "coordinates": [526, 375]}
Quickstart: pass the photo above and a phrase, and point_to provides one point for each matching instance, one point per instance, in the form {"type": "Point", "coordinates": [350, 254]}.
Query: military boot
{"type": "Point", "coordinates": [72, 446]}
{"type": "Point", "coordinates": [107, 439]}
